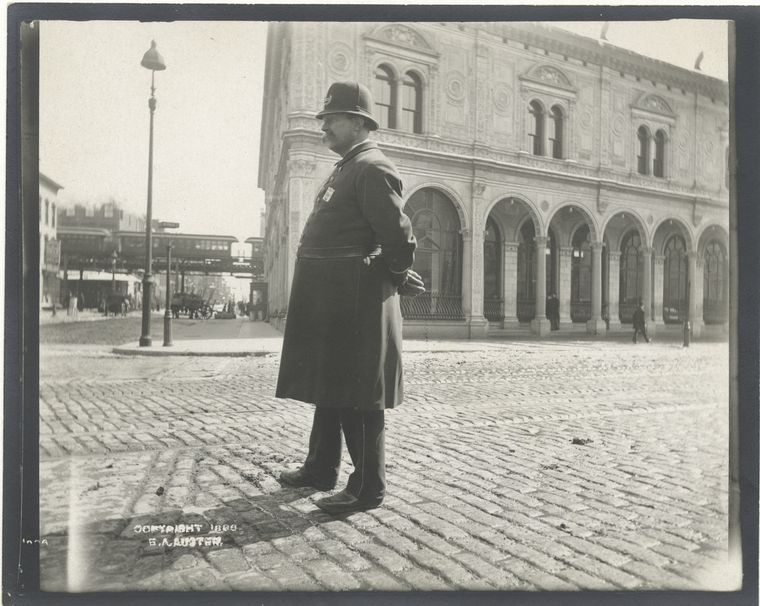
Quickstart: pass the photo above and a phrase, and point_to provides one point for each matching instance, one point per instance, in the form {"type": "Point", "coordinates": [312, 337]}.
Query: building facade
{"type": "Point", "coordinates": [50, 250]}
{"type": "Point", "coordinates": [534, 162]}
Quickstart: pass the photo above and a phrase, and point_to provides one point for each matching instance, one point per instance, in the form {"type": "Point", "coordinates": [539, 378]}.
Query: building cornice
{"type": "Point", "coordinates": [50, 183]}
{"type": "Point", "coordinates": [613, 57]}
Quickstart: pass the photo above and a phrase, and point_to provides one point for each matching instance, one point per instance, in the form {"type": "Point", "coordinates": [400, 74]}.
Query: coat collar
{"type": "Point", "coordinates": [364, 146]}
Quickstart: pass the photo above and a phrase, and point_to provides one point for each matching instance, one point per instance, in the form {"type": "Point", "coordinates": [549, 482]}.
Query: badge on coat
{"type": "Point", "coordinates": [328, 194]}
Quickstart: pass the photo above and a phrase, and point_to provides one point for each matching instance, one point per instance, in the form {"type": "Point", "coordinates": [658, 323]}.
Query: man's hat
{"type": "Point", "coordinates": [349, 98]}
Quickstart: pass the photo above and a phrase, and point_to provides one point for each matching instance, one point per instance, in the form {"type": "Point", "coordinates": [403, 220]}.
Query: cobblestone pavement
{"type": "Point", "coordinates": [529, 466]}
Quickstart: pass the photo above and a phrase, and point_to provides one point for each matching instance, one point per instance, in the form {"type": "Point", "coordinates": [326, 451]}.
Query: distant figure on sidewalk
{"type": "Point", "coordinates": [640, 323]}
{"type": "Point", "coordinates": [342, 345]}
{"type": "Point", "coordinates": [73, 306]}
{"type": "Point", "coordinates": [552, 311]}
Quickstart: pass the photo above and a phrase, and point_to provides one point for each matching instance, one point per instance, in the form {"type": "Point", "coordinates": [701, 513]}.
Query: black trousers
{"type": "Point", "coordinates": [364, 432]}
{"type": "Point", "coordinates": [643, 331]}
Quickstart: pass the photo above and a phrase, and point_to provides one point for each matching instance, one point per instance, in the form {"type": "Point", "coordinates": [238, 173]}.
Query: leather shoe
{"type": "Point", "coordinates": [300, 477]}
{"type": "Point", "coordinates": [345, 502]}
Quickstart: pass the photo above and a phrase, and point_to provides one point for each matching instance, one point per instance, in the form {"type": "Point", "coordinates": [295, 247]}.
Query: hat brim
{"type": "Point", "coordinates": [370, 120]}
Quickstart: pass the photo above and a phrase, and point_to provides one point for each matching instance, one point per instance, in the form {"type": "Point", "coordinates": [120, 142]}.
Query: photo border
{"type": "Point", "coordinates": [21, 428]}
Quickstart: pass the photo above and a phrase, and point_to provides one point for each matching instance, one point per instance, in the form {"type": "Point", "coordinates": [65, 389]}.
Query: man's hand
{"type": "Point", "coordinates": [412, 286]}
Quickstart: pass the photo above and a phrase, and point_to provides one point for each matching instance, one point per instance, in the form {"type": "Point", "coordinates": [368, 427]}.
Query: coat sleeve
{"type": "Point", "coordinates": [380, 201]}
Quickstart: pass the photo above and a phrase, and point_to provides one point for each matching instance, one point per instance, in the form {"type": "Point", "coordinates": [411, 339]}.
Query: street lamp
{"type": "Point", "coordinates": [153, 61]}
{"type": "Point", "coordinates": [114, 256]}
{"type": "Point", "coordinates": [168, 311]}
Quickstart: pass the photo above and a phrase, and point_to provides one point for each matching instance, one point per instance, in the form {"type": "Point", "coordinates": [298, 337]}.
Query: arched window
{"type": "Point", "coordinates": [526, 264]}
{"type": "Point", "coordinates": [715, 296]}
{"type": "Point", "coordinates": [558, 122]}
{"type": "Point", "coordinates": [411, 103]}
{"type": "Point", "coordinates": [631, 272]}
{"type": "Point", "coordinates": [53, 214]}
{"type": "Point", "coordinates": [580, 276]}
{"type": "Point", "coordinates": [658, 169]}
{"type": "Point", "coordinates": [438, 257]}
{"type": "Point", "coordinates": [385, 95]}
{"type": "Point", "coordinates": [537, 128]}
{"type": "Point", "coordinates": [675, 283]}
{"type": "Point", "coordinates": [493, 307]}
{"type": "Point", "coordinates": [643, 157]}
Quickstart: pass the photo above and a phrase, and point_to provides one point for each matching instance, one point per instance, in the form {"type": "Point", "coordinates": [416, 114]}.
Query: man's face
{"type": "Point", "coordinates": [341, 132]}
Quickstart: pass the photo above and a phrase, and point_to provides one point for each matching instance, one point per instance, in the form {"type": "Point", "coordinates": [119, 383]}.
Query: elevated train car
{"type": "Point", "coordinates": [190, 247]}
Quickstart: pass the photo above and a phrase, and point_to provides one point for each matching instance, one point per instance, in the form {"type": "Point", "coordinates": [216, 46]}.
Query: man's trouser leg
{"type": "Point", "coordinates": [365, 439]}
{"type": "Point", "coordinates": [323, 460]}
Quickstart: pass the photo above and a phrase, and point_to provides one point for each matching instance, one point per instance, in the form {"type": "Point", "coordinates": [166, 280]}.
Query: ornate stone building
{"type": "Point", "coordinates": [534, 161]}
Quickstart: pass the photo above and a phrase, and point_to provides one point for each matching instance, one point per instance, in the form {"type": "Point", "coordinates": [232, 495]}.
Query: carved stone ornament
{"type": "Point", "coordinates": [618, 123]}
{"type": "Point", "coordinates": [502, 98]}
{"type": "Point", "coordinates": [455, 87]}
{"type": "Point", "coordinates": [552, 75]}
{"type": "Point", "coordinates": [656, 104]}
{"type": "Point", "coordinates": [549, 76]}
{"type": "Point", "coordinates": [300, 167]}
{"type": "Point", "coordinates": [650, 219]}
{"type": "Point", "coordinates": [340, 58]}
{"type": "Point", "coordinates": [586, 117]}
{"type": "Point", "coordinates": [479, 189]}
{"type": "Point", "coordinates": [544, 205]}
{"type": "Point", "coordinates": [403, 34]}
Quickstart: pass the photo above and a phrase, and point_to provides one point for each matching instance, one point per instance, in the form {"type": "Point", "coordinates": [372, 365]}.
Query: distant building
{"type": "Point", "coordinates": [50, 250]}
{"type": "Point", "coordinates": [90, 246]}
{"type": "Point", "coordinates": [533, 160]}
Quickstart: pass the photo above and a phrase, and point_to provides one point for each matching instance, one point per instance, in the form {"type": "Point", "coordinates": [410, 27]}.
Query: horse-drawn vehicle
{"type": "Point", "coordinates": [191, 304]}
{"type": "Point", "coordinates": [117, 304]}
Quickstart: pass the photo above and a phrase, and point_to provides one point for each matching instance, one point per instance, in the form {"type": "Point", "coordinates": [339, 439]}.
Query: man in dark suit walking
{"type": "Point", "coordinates": [342, 344]}
{"type": "Point", "coordinates": [640, 323]}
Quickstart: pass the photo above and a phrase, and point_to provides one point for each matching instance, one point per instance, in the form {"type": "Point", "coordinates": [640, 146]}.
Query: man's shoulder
{"type": "Point", "coordinates": [373, 159]}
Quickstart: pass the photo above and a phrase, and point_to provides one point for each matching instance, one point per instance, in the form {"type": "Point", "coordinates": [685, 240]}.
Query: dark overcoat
{"type": "Point", "coordinates": [342, 344]}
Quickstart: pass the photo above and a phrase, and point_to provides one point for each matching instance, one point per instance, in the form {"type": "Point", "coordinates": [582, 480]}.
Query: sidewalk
{"type": "Point", "coordinates": [241, 337]}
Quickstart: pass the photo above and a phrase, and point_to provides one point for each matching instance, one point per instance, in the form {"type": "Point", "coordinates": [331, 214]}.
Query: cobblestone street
{"type": "Point", "coordinates": [512, 465]}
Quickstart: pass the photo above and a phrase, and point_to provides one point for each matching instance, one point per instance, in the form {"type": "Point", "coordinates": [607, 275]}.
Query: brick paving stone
{"type": "Point", "coordinates": [227, 560]}
{"type": "Point", "coordinates": [656, 577]}
{"type": "Point", "coordinates": [386, 558]}
{"type": "Point", "coordinates": [378, 580]}
{"type": "Point", "coordinates": [483, 481]}
{"type": "Point", "coordinates": [252, 580]}
{"type": "Point", "coordinates": [331, 576]}
{"type": "Point", "coordinates": [347, 555]}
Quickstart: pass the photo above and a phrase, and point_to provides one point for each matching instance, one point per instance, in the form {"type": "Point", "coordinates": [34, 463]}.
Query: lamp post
{"type": "Point", "coordinates": [153, 61]}
{"type": "Point", "coordinates": [168, 342]}
{"type": "Point", "coordinates": [114, 256]}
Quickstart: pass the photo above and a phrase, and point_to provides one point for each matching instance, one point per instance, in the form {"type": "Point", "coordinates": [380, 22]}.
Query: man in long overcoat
{"type": "Point", "coordinates": [342, 344]}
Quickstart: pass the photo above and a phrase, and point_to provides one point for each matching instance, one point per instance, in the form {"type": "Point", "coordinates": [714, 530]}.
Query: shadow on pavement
{"type": "Point", "coordinates": [145, 553]}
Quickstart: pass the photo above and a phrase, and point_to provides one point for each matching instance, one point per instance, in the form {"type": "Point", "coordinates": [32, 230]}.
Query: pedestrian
{"type": "Point", "coordinates": [640, 323]}
{"type": "Point", "coordinates": [342, 344]}
{"type": "Point", "coordinates": [552, 311]}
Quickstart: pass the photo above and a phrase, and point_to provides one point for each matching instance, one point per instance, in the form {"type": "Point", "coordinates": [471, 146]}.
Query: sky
{"type": "Point", "coordinates": [94, 114]}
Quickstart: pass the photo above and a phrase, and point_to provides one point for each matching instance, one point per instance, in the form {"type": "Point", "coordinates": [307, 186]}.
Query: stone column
{"type": "Point", "coordinates": [472, 283]}
{"type": "Point", "coordinates": [613, 294]}
{"type": "Point", "coordinates": [646, 286]}
{"type": "Point", "coordinates": [565, 282]}
{"type": "Point", "coordinates": [697, 322]}
{"type": "Point", "coordinates": [596, 325]}
{"type": "Point", "coordinates": [659, 284]}
{"type": "Point", "coordinates": [540, 325]}
{"type": "Point", "coordinates": [700, 278]}
{"type": "Point", "coordinates": [510, 285]}
{"type": "Point", "coordinates": [300, 204]}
